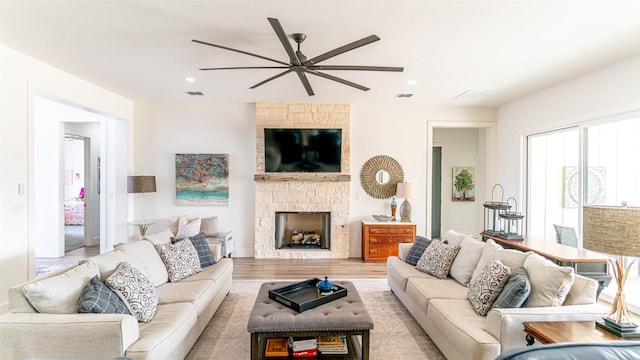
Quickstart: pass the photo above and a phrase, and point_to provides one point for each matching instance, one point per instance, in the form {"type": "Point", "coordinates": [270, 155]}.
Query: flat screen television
{"type": "Point", "coordinates": [303, 150]}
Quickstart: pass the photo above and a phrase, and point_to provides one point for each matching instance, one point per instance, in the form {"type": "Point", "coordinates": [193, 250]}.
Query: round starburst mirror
{"type": "Point", "coordinates": [380, 176]}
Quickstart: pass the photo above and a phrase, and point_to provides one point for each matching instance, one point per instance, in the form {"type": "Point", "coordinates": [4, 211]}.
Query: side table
{"type": "Point", "coordinates": [549, 332]}
{"type": "Point", "coordinates": [143, 226]}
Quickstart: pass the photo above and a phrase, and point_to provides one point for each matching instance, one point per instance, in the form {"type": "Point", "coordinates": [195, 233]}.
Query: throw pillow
{"type": "Point", "coordinates": [199, 242]}
{"type": "Point", "coordinates": [98, 298]}
{"type": "Point", "coordinates": [515, 291]}
{"type": "Point", "coordinates": [180, 259]}
{"type": "Point", "coordinates": [135, 290]}
{"type": "Point", "coordinates": [437, 259]}
{"type": "Point", "coordinates": [550, 283]}
{"type": "Point", "coordinates": [467, 260]}
{"type": "Point", "coordinates": [510, 257]}
{"type": "Point", "coordinates": [187, 227]}
{"type": "Point", "coordinates": [209, 226]}
{"type": "Point", "coordinates": [484, 290]}
{"type": "Point", "coordinates": [417, 249]}
{"type": "Point", "coordinates": [452, 237]}
{"type": "Point", "coordinates": [59, 294]}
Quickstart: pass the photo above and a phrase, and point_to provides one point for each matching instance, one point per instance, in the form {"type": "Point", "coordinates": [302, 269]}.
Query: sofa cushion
{"type": "Point", "coordinates": [143, 256]}
{"type": "Point", "coordinates": [583, 291]}
{"type": "Point", "coordinates": [423, 290]}
{"type": "Point", "coordinates": [417, 249]}
{"type": "Point", "coordinates": [200, 293]}
{"type": "Point", "coordinates": [512, 258]}
{"type": "Point", "coordinates": [466, 261]}
{"type": "Point", "coordinates": [455, 323]}
{"type": "Point", "coordinates": [187, 227]}
{"type": "Point", "coordinates": [437, 259]}
{"type": "Point", "coordinates": [452, 237]}
{"type": "Point", "coordinates": [59, 294]}
{"type": "Point", "coordinates": [181, 259]}
{"type": "Point", "coordinates": [136, 290]}
{"type": "Point", "coordinates": [209, 226]}
{"type": "Point", "coordinates": [484, 290]}
{"type": "Point", "coordinates": [98, 298]}
{"type": "Point", "coordinates": [399, 272]}
{"type": "Point", "coordinates": [550, 283]}
{"type": "Point", "coordinates": [163, 237]}
{"type": "Point", "coordinates": [515, 292]}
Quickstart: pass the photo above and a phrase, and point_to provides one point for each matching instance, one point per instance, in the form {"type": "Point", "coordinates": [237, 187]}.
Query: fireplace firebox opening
{"type": "Point", "coordinates": [303, 230]}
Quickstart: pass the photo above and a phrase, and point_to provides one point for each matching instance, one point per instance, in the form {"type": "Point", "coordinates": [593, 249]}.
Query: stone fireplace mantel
{"type": "Point", "coordinates": [308, 177]}
{"type": "Point", "coordinates": [302, 192]}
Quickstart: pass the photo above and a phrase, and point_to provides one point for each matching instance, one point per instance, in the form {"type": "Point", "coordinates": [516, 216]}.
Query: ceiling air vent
{"type": "Point", "coordinates": [404, 95]}
{"type": "Point", "coordinates": [195, 93]}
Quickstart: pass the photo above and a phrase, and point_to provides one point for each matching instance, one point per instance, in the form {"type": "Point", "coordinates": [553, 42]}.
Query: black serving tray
{"type": "Point", "coordinates": [303, 295]}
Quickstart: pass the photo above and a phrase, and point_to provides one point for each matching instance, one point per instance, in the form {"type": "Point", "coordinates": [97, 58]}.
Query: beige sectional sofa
{"type": "Point", "coordinates": [184, 308]}
{"type": "Point", "coordinates": [443, 309]}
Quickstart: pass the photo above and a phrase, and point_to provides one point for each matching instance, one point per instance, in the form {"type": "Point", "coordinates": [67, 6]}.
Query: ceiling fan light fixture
{"type": "Point", "coordinates": [301, 65]}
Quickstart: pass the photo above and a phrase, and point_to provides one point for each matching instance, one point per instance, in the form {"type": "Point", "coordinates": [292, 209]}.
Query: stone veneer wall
{"type": "Point", "coordinates": [304, 191]}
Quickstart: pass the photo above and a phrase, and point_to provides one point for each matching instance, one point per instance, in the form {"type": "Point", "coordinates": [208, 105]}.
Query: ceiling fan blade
{"type": "Point", "coordinates": [305, 82]}
{"type": "Point", "coordinates": [246, 67]}
{"type": "Point", "coordinates": [271, 78]}
{"type": "Point", "coordinates": [342, 49]}
{"type": "Point", "coordinates": [240, 51]}
{"type": "Point", "coordinates": [340, 80]}
{"type": "Point", "coordinates": [275, 24]}
{"type": "Point", "coordinates": [356, 67]}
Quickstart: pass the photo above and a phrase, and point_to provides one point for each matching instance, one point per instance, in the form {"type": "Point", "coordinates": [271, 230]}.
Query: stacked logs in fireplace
{"type": "Point", "coordinates": [302, 237]}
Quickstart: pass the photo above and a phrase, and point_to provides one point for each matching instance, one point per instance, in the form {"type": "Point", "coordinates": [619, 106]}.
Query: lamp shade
{"type": "Point", "coordinates": [141, 184]}
{"type": "Point", "coordinates": [404, 190]}
{"type": "Point", "coordinates": [613, 230]}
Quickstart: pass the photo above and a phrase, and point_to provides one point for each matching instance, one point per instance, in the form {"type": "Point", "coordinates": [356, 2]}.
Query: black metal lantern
{"type": "Point", "coordinates": [511, 223]}
{"type": "Point", "coordinates": [492, 211]}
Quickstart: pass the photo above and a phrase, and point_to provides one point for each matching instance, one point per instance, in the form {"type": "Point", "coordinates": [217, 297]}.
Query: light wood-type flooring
{"type": "Point", "coordinates": [250, 268]}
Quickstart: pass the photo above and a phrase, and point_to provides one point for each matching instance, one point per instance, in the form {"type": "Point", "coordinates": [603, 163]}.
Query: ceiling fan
{"type": "Point", "coordinates": [302, 66]}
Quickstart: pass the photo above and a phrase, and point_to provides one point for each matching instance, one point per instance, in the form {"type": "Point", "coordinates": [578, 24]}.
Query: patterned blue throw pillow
{"type": "Point", "coordinates": [202, 248]}
{"type": "Point", "coordinates": [515, 291]}
{"type": "Point", "coordinates": [417, 249]}
{"type": "Point", "coordinates": [98, 298]}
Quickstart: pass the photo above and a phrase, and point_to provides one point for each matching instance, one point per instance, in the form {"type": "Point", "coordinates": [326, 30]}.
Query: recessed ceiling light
{"type": "Point", "coordinates": [412, 82]}
{"type": "Point", "coordinates": [189, 79]}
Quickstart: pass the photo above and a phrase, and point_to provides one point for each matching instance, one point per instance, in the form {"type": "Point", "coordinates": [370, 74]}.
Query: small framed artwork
{"type": "Point", "coordinates": [464, 187]}
{"type": "Point", "coordinates": [202, 179]}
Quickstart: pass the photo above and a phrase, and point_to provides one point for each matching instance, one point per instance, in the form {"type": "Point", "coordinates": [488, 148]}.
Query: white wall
{"type": "Point", "coordinates": [164, 129]}
{"type": "Point", "coordinates": [21, 78]}
{"type": "Point", "coordinates": [400, 131]}
{"type": "Point", "coordinates": [607, 92]}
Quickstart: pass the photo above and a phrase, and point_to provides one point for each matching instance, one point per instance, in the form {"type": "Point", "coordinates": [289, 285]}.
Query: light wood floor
{"type": "Point", "coordinates": [250, 268]}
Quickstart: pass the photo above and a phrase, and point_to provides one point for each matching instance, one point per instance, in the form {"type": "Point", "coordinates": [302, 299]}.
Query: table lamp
{"type": "Point", "coordinates": [404, 191]}
{"type": "Point", "coordinates": [614, 230]}
{"type": "Point", "coordinates": [141, 185]}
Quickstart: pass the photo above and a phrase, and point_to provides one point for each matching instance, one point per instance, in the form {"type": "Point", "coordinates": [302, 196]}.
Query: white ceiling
{"type": "Point", "coordinates": [143, 50]}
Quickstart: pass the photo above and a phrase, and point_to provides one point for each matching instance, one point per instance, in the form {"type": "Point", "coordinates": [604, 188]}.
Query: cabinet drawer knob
{"type": "Point", "coordinates": [373, 251]}
{"type": "Point", "coordinates": [373, 240]}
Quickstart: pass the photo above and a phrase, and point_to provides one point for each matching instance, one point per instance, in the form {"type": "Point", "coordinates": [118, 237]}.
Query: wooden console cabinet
{"type": "Point", "coordinates": [381, 239]}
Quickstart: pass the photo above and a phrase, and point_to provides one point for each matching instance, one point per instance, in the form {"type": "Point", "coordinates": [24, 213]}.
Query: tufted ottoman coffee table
{"type": "Point", "coordinates": [346, 315]}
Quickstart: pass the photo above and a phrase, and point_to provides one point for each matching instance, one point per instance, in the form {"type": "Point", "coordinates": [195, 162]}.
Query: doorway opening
{"type": "Point", "coordinates": [74, 185]}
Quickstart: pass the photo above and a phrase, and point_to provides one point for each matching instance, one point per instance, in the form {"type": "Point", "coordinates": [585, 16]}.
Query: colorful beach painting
{"type": "Point", "coordinates": [202, 179]}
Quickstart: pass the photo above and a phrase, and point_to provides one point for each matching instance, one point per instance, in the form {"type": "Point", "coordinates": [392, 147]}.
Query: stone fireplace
{"type": "Point", "coordinates": [302, 192]}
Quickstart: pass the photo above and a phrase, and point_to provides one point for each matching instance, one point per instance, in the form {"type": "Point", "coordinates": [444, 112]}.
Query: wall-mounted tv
{"type": "Point", "coordinates": [302, 150]}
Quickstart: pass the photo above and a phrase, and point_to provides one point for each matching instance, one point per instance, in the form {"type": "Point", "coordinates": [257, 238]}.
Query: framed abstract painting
{"type": "Point", "coordinates": [202, 179]}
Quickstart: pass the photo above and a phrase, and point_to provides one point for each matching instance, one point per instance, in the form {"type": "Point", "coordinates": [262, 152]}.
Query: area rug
{"type": "Point", "coordinates": [395, 334]}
